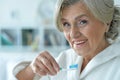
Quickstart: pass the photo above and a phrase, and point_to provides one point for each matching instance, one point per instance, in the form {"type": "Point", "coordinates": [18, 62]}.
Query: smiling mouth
{"type": "Point", "coordinates": [79, 44]}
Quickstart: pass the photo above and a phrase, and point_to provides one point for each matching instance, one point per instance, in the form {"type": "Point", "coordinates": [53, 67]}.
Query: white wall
{"type": "Point", "coordinates": [117, 2]}
{"type": "Point", "coordinates": [18, 12]}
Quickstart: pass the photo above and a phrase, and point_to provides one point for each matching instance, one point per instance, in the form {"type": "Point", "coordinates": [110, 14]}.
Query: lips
{"type": "Point", "coordinates": [79, 43]}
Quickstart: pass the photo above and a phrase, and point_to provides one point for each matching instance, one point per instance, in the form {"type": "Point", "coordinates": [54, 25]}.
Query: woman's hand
{"type": "Point", "coordinates": [44, 64]}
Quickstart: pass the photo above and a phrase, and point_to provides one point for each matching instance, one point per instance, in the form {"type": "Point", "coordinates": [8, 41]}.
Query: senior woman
{"type": "Point", "coordinates": [90, 27]}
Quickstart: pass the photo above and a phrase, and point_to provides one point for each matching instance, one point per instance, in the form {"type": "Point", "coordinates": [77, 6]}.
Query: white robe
{"type": "Point", "coordinates": [104, 66]}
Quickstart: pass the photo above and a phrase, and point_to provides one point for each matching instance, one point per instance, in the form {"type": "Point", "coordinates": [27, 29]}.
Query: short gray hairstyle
{"type": "Point", "coordinates": [104, 10]}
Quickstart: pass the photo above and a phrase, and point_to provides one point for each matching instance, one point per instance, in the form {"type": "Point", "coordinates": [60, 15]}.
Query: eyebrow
{"type": "Point", "coordinates": [80, 16]}
{"type": "Point", "coordinates": [76, 18]}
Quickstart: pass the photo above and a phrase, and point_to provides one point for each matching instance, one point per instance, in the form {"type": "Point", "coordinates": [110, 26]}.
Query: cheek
{"type": "Point", "coordinates": [67, 36]}
{"type": "Point", "coordinates": [94, 36]}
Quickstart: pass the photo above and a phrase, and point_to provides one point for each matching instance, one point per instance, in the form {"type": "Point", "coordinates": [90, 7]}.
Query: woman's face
{"type": "Point", "coordinates": [82, 30]}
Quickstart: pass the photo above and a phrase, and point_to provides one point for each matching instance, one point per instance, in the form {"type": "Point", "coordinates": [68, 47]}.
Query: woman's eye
{"type": "Point", "coordinates": [82, 22]}
{"type": "Point", "coordinates": [66, 24]}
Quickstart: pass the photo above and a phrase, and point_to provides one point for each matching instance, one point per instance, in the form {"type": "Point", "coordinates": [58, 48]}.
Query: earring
{"type": "Point", "coordinates": [107, 28]}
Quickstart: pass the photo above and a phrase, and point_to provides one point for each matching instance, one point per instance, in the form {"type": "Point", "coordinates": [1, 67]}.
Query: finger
{"type": "Point", "coordinates": [42, 66]}
{"type": "Point", "coordinates": [33, 66]}
{"type": "Point", "coordinates": [40, 72]}
{"type": "Point", "coordinates": [36, 69]}
{"type": "Point", "coordinates": [48, 65]}
{"type": "Point", "coordinates": [53, 62]}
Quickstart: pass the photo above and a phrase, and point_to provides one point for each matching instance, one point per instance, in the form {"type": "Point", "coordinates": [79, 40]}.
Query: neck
{"type": "Point", "coordinates": [87, 58]}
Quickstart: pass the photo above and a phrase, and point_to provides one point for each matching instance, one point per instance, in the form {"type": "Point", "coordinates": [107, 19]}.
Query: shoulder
{"type": "Point", "coordinates": [115, 48]}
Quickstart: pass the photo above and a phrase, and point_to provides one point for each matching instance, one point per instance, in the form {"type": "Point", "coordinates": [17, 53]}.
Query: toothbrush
{"type": "Point", "coordinates": [71, 67]}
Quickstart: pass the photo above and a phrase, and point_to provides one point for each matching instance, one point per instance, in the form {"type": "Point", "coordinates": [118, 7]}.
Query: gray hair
{"type": "Point", "coordinates": [104, 10]}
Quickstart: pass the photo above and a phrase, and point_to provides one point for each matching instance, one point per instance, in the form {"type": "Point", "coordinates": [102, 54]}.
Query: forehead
{"type": "Point", "coordinates": [78, 8]}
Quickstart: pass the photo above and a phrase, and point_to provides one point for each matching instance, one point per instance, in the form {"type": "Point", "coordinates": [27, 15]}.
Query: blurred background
{"type": "Point", "coordinates": [26, 28]}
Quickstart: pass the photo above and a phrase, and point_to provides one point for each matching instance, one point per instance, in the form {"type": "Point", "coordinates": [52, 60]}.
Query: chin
{"type": "Point", "coordinates": [82, 52]}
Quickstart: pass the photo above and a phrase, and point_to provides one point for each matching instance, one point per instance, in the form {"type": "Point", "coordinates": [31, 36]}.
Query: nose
{"type": "Point", "coordinates": [75, 32]}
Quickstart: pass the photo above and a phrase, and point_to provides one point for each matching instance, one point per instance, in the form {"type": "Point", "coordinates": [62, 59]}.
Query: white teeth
{"type": "Point", "coordinates": [79, 42]}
